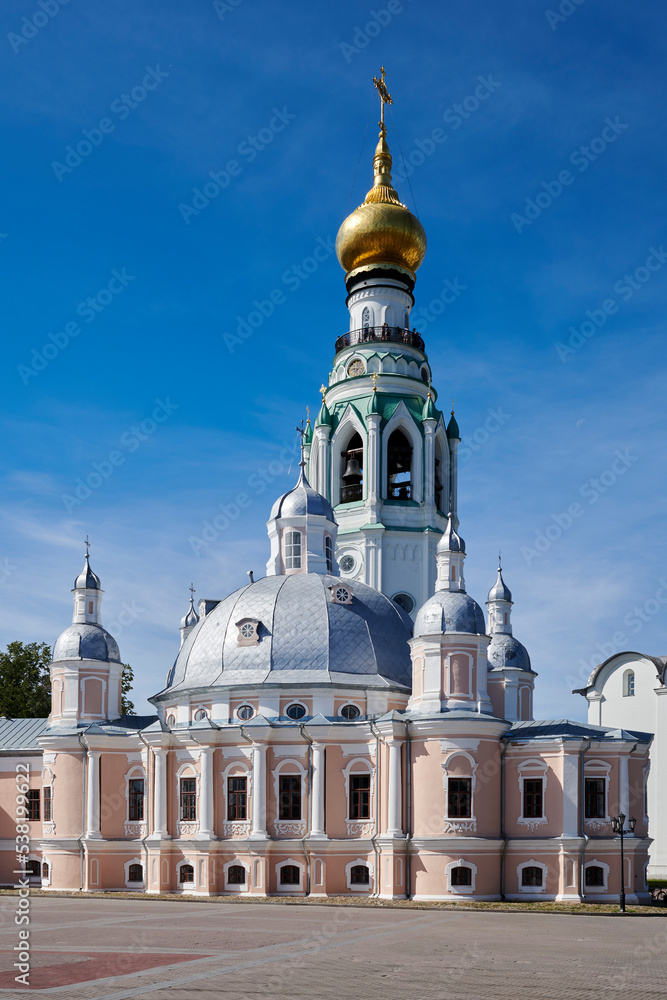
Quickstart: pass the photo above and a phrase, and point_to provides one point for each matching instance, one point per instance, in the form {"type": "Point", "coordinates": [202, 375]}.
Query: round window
{"type": "Point", "coordinates": [342, 595]}
{"type": "Point", "coordinates": [356, 367]}
{"type": "Point", "coordinates": [404, 601]}
{"type": "Point", "coordinates": [245, 712]}
{"type": "Point", "coordinates": [295, 711]}
{"type": "Point", "coordinates": [350, 712]}
{"type": "Point", "coordinates": [200, 714]}
{"type": "Point", "coordinates": [247, 630]}
{"type": "Point", "coordinates": [346, 564]}
{"type": "Point", "coordinates": [171, 720]}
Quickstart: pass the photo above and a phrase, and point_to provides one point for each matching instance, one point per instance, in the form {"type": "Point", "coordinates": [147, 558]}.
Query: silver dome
{"type": "Point", "coordinates": [87, 579]}
{"type": "Point", "coordinates": [506, 651]}
{"type": "Point", "coordinates": [451, 541]}
{"type": "Point", "coordinates": [191, 617]}
{"type": "Point", "coordinates": [450, 611]}
{"type": "Point", "coordinates": [87, 642]}
{"type": "Point", "coordinates": [500, 591]}
{"type": "Point", "coordinates": [300, 500]}
{"type": "Point", "coordinates": [304, 638]}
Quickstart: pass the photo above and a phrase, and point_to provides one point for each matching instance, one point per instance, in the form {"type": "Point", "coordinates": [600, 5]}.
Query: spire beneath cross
{"type": "Point", "coordinates": [385, 98]}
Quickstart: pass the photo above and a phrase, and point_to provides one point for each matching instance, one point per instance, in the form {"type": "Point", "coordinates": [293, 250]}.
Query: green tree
{"type": "Point", "coordinates": [25, 687]}
{"type": "Point", "coordinates": [126, 706]}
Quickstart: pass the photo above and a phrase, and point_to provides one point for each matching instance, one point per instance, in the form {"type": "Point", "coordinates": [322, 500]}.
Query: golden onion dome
{"type": "Point", "coordinates": [382, 230]}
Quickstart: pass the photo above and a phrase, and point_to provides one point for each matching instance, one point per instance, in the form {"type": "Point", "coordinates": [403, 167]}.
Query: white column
{"type": "Point", "coordinates": [624, 788]}
{"type": "Point", "coordinates": [258, 790]}
{"type": "Point", "coordinates": [160, 794]}
{"type": "Point", "coordinates": [206, 794]}
{"type": "Point", "coordinates": [317, 824]}
{"type": "Point", "coordinates": [395, 805]}
{"type": "Point", "coordinates": [93, 800]}
{"type": "Point", "coordinates": [571, 795]}
{"type": "Point", "coordinates": [373, 467]}
{"type": "Point", "coordinates": [429, 462]}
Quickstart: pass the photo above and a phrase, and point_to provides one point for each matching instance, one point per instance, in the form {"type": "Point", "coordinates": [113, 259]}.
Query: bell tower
{"type": "Point", "coordinates": [381, 451]}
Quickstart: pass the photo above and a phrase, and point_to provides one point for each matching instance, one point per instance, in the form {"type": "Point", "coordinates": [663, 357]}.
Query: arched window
{"type": "Point", "coordinates": [406, 321]}
{"type": "Point", "coordinates": [351, 487]}
{"type": "Point", "coordinates": [200, 714]}
{"type": "Point", "coordinates": [594, 875]}
{"type": "Point", "coordinates": [461, 876]}
{"type": "Point", "coordinates": [290, 875]}
{"type": "Point", "coordinates": [186, 873]}
{"type": "Point", "coordinates": [629, 684]}
{"type": "Point", "coordinates": [531, 876]}
{"type": "Point", "coordinates": [135, 873]}
{"type": "Point", "coordinates": [328, 552]}
{"type": "Point", "coordinates": [45, 869]}
{"type": "Point", "coordinates": [399, 466]}
{"type": "Point", "coordinates": [236, 875]}
{"type": "Point", "coordinates": [293, 550]}
{"type": "Point", "coordinates": [33, 870]}
{"type": "Point", "coordinates": [366, 319]}
{"type": "Point", "coordinates": [360, 875]}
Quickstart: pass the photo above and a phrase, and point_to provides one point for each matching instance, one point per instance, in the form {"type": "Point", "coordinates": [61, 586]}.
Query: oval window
{"type": "Point", "coordinates": [404, 601]}
{"type": "Point", "coordinates": [295, 711]}
{"type": "Point", "coordinates": [346, 564]}
{"type": "Point", "coordinates": [200, 714]}
{"type": "Point", "coordinates": [245, 712]}
{"type": "Point", "coordinates": [350, 712]}
{"type": "Point", "coordinates": [342, 595]}
{"type": "Point", "coordinates": [171, 720]}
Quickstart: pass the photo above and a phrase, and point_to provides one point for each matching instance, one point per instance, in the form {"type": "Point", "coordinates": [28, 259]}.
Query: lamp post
{"type": "Point", "coordinates": [618, 826]}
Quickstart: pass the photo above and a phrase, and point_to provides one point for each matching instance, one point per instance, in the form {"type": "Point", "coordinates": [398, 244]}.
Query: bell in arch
{"type": "Point", "coordinates": [352, 472]}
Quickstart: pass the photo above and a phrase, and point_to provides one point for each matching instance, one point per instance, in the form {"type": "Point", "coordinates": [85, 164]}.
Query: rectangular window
{"type": "Point", "coordinates": [188, 798]}
{"type": "Point", "coordinates": [136, 799]}
{"type": "Point", "coordinates": [237, 799]}
{"type": "Point", "coordinates": [459, 798]}
{"type": "Point", "coordinates": [289, 806]}
{"type": "Point", "coordinates": [47, 804]}
{"type": "Point", "coordinates": [33, 803]}
{"type": "Point", "coordinates": [595, 804]}
{"type": "Point", "coordinates": [293, 550]}
{"type": "Point", "coordinates": [360, 796]}
{"type": "Point", "coordinates": [532, 798]}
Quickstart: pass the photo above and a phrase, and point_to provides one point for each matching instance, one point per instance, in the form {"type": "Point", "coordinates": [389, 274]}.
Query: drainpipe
{"type": "Point", "coordinates": [408, 810]}
{"type": "Point", "coordinates": [503, 833]}
{"type": "Point", "coordinates": [309, 822]}
{"type": "Point", "coordinates": [149, 798]}
{"type": "Point", "coordinates": [83, 807]}
{"type": "Point", "coordinates": [582, 810]}
{"type": "Point", "coordinates": [375, 836]}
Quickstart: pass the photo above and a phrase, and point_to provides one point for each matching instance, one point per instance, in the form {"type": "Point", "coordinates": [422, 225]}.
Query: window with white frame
{"type": "Point", "coordinates": [459, 778]}
{"type": "Point", "coordinates": [359, 875]}
{"type": "Point", "coordinates": [292, 550]}
{"type": "Point", "coordinates": [532, 876]}
{"type": "Point", "coordinates": [629, 684]}
{"type": "Point", "coordinates": [532, 775]}
{"type": "Point", "coordinates": [328, 553]}
{"type": "Point", "coordinates": [134, 873]}
{"type": "Point", "coordinates": [237, 876]}
{"type": "Point", "coordinates": [597, 775]}
{"type": "Point", "coordinates": [186, 873]}
{"type": "Point", "coordinates": [461, 877]}
{"type": "Point", "coordinates": [289, 875]}
{"type": "Point", "coordinates": [135, 799]}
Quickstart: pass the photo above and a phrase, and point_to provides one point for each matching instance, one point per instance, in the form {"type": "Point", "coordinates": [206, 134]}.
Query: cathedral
{"type": "Point", "coordinates": [353, 722]}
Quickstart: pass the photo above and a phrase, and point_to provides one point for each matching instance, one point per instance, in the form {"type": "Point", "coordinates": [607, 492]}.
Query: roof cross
{"type": "Point", "coordinates": [385, 98]}
{"type": "Point", "coordinates": [87, 544]}
{"type": "Point", "coordinates": [301, 431]}
{"type": "Point", "coordinates": [192, 591]}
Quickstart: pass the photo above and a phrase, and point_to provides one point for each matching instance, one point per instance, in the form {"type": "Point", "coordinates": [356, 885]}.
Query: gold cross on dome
{"type": "Point", "coordinates": [375, 376]}
{"type": "Point", "coordinates": [323, 390]}
{"type": "Point", "coordinates": [385, 98]}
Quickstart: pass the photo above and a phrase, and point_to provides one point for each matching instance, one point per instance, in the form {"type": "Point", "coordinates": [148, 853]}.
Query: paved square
{"type": "Point", "coordinates": [93, 949]}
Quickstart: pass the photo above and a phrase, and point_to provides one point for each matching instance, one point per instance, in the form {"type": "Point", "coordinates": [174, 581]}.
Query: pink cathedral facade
{"type": "Point", "coordinates": [352, 723]}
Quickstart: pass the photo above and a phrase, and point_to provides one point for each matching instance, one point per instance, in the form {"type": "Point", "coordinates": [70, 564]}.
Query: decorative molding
{"type": "Point", "coordinates": [357, 749]}
{"type": "Point", "coordinates": [236, 828]}
{"type": "Point", "coordinates": [280, 750]}
{"type": "Point", "coordinates": [360, 828]}
{"type": "Point", "coordinates": [236, 752]}
{"type": "Point", "coordinates": [289, 827]}
{"type": "Point", "coordinates": [187, 828]}
{"type": "Point", "coordinates": [459, 826]}
{"type": "Point", "coordinates": [49, 758]}
{"type": "Point", "coordinates": [135, 830]}
{"type": "Point", "coordinates": [49, 829]}
{"type": "Point", "coordinates": [191, 755]}
{"type": "Point", "coordinates": [532, 822]}
{"type": "Point", "coordinates": [450, 745]}
{"type": "Point", "coordinates": [135, 758]}
{"type": "Point", "coordinates": [596, 824]}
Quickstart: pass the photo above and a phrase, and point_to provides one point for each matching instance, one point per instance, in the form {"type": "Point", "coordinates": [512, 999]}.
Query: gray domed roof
{"type": "Point", "coordinates": [506, 651]}
{"type": "Point", "coordinates": [304, 638]}
{"type": "Point", "coordinates": [87, 579]}
{"type": "Point", "coordinates": [300, 500]}
{"type": "Point", "coordinates": [451, 541]}
{"type": "Point", "coordinates": [500, 591]}
{"type": "Point", "coordinates": [87, 642]}
{"type": "Point", "coordinates": [191, 617]}
{"type": "Point", "coordinates": [450, 611]}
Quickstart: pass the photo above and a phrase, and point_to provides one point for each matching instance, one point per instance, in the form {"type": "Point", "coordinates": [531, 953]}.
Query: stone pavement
{"type": "Point", "coordinates": [92, 949]}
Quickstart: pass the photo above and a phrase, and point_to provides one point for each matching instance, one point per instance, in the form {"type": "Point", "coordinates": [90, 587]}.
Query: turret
{"type": "Point", "coordinates": [450, 557]}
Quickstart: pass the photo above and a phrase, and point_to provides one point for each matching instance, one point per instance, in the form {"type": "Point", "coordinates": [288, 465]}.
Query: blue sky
{"type": "Point", "coordinates": [275, 99]}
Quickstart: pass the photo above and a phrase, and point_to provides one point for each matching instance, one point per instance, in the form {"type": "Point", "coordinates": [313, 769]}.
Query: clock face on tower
{"type": "Point", "coordinates": [356, 367]}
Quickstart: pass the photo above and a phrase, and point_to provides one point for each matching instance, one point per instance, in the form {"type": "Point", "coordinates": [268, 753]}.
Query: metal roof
{"type": "Point", "coordinates": [21, 734]}
{"type": "Point", "coordinates": [572, 730]}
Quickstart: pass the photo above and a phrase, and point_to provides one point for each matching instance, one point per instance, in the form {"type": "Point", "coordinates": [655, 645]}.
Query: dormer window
{"type": "Point", "coordinates": [248, 631]}
{"type": "Point", "coordinates": [293, 550]}
{"type": "Point", "coordinates": [328, 552]}
{"type": "Point", "coordinates": [341, 594]}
